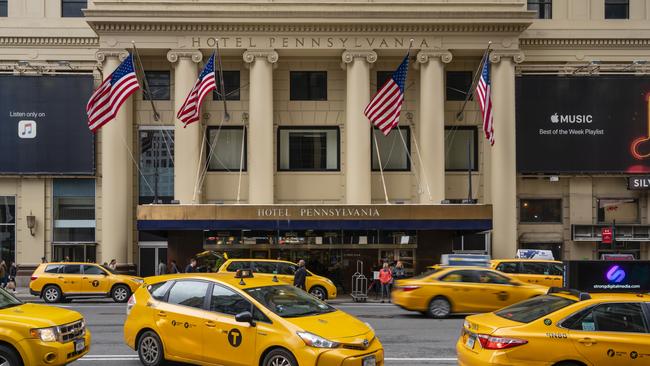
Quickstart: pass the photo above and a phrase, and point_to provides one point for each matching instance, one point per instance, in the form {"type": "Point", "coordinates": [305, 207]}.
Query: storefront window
{"type": "Point", "coordinates": [74, 253]}
{"type": "Point", "coordinates": [398, 237]}
{"type": "Point", "coordinates": [223, 237]}
{"type": "Point", "coordinates": [540, 210]}
{"type": "Point", "coordinates": [310, 237]}
{"type": "Point", "coordinates": [225, 150]}
{"type": "Point", "coordinates": [470, 243]}
{"type": "Point", "coordinates": [259, 237]}
{"type": "Point", "coordinates": [393, 151]}
{"type": "Point", "coordinates": [8, 228]}
{"type": "Point", "coordinates": [308, 149]}
{"type": "Point", "coordinates": [74, 210]}
{"type": "Point", "coordinates": [621, 210]}
{"type": "Point", "coordinates": [156, 164]}
{"type": "Point", "coordinates": [360, 237]}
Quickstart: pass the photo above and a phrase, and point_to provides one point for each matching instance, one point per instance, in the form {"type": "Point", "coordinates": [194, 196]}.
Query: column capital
{"type": "Point", "coordinates": [349, 55]}
{"type": "Point", "coordinates": [517, 56]}
{"type": "Point", "coordinates": [175, 55]}
{"type": "Point", "coordinates": [425, 56]}
{"type": "Point", "coordinates": [270, 55]}
{"type": "Point", "coordinates": [103, 53]}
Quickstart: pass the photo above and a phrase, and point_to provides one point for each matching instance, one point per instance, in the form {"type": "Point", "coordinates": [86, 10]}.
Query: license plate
{"type": "Point", "coordinates": [471, 339]}
{"type": "Point", "coordinates": [79, 345]}
{"type": "Point", "coordinates": [369, 361]}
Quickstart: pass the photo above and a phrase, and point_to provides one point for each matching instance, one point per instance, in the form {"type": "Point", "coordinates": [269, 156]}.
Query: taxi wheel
{"type": "Point", "coordinates": [150, 349]}
{"type": "Point", "coordinates": [439, 308]}
{"type": "Point", "coordinates": [9, 357]}
{"type": "Point", "coordinates": [120, 293]}
{"type": "Point", "coordinates": [279, 357]}
{"type": "Point", "coordinates": [51, 294]}
{"type": "Point", "coordinates": [318, 292]}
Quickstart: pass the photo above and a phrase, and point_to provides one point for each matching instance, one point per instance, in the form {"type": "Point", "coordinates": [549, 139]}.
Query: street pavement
{"type": "Point", "coordinates": [408, 338]}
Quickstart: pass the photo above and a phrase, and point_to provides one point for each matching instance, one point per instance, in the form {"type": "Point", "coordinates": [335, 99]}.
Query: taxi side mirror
{"type": "Point", "coordinates": [245, 317]}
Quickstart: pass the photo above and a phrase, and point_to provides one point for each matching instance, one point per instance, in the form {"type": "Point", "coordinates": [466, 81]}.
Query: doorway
{"type": "Point", "coordinates": [151, 253]}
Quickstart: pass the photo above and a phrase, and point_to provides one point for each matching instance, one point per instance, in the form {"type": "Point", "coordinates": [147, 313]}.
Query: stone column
{"type": "Point", "coordinates": [357, 127]}
{"type": "Point", "coordinates": [116, 173]}
{"type": "Point", "coordinates": [431, 124]}
{"type": "Point", "coordinates": [503, 175]}
{"type": "Point", "coordinates": [260, 131]}
{"type": "Point", "coordinates": [187, 140]}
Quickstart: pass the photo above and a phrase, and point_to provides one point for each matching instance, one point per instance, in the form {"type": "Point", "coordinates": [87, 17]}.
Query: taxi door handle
{"type": "Point", "coordinates": [61, 278]}
{"type": "Point", "coordinates": [210, 324]}
{"type": "Point", "coordinates": [162, 314]}
{"type": "Point", "coordinates": [85, 278]}
{"type": "Point", "coordinates": [587, 341]}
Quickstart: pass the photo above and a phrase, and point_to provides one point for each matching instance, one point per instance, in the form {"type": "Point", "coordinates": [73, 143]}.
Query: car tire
{"type": "Point", "coordinates": [150, 349]}
{"type": "Point", "coordinates": [51, 294]}
{"type": "Point", "coordinates": [9, 357]}
{"type": "Point", "coordinates": [439, 308]}
{"type": "Point", "coordinates": [279, 357]}
{"type": "Point", "coordinates": [318, 292]}
{"type": "Point", "coordinates": [120, 293]}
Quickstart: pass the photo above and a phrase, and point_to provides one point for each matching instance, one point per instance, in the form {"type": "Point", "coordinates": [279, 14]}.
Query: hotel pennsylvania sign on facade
{"type": "Point", "coordinates": [317, 42]}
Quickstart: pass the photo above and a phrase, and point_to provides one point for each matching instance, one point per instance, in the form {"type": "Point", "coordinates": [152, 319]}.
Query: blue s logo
{"type": "Point", "coordinates": [615, 274]}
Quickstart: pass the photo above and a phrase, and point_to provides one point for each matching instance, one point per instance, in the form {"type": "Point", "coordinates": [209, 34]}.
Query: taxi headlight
{"type": "Point", "coordinates": [46, 334]}
{"type": "Point", "coordinates": [313, 340]}
{"type": "Point", "coordinates": [139, 281]}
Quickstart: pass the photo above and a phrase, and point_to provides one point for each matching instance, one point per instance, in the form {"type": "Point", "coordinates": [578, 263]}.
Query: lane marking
{"type": "Point", "coordinates": [451, 359]}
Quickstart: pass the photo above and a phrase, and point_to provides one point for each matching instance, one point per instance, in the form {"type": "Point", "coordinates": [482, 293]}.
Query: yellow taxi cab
{"type": "Point", "coordinates": [56, 282]}
{"type": "Point", "coordinates": [319, 286]}
{"type": "Point", "coordinates": [38, 335]}
{"type": "Point", "coordinates": [563, 328]}
{"type": "Point", "coordinates": [459, 289]}
{"type": "Point", "coordinates": [239, 319]}
{"type": "Point", "coordinates": [540, 272]}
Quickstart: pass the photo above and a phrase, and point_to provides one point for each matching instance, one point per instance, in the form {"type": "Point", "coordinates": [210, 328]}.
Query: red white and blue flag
{"type": "Point", "coordinates": [190, 110]}
{"type": "Point", "coordinates": [385, 107]}
{"type": "Point", "coordinates": [111, 94]}
{"type": "Point", "coordinates": [485, 100]}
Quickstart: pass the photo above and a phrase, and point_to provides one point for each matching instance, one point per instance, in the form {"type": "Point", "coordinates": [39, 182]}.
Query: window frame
{"type": "Point", "coordinates": [55, 218]}
{"type": "Point", "coordinates": [206, 299]}
{"type": "Point", "coordinates": [74, 2]}
{"type": "Point", "coordinates": [475, 166]}
{"type": "Point", "coordinates": [520, 221]}
{"type": "Point", "coordinates": [617, 4]}
{"type": "Point", "coordinates": [168, 86]}
{"type": "Point", "coordinates": [373, 150]}
{"type": "Point", "coordinates": [645, 312]}
{"type": "Point", "coordinates": [216, 97]}
{"type": "Point", "coordinates": [147, 128]}
{"type": "Point", "coordinates": [608, 198]}
{"type": "Point", "coordinates": [540, 4]}
{"type": "Point", "coordinates": [308, 127]}
{"type": "Point", "coordinates": [103, 271]}
{"type": "Point", "coordinates": [244, 167]}
{"type": "Point", "coordinates": [310, 98]}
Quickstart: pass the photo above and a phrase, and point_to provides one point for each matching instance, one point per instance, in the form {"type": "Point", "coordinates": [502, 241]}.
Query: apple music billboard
{"type": "Point", "coordinates": [590, 124]}
{"type": "Point", "coordinates": [43, 127]}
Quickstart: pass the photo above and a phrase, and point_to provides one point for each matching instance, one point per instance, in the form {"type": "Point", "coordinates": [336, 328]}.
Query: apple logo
{"type": "Point", "coordinates": [554, 118]}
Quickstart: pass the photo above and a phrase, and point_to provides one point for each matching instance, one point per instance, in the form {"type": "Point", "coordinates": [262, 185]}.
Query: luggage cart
{"type": "Point", "coordinates": [359, 284]}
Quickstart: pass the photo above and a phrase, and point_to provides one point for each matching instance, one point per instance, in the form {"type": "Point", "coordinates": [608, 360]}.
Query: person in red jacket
{"type": "Point", "coordinates": [385, 278]}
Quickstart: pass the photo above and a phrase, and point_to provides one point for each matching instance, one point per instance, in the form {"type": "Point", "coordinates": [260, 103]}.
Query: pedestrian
{"type": "Point", "coordinates": [4, 274]}
{"type": "Point", "coordinates": [43, 260]}
{"type": "Point", "coordinates": [191, 268]}
{"type": "Point", "coordinates": [113, 264]}
{"type": "Point", "coordinates": [66, 259]}
{"type": "Point", "coordinates": [174, 267]}
{"type": "Point", "coordinates": [300, 276]}
{"type": "Point", "coordinates": [162, 268]}
{"type": "Point", "coordinates": [13, 272]}
{"type": "Point", "coordinates": [385, 278]}
{"type": "Point", "coordinates": [399, 272]}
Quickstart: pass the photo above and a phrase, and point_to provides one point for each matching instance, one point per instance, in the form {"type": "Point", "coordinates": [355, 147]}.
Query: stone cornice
{"type": "Point", "coordinates": [194, 55]}
{"type": "Point", "coordinates": [584, 43]}
{"type": "Point", "coordinates": [76, 42]}
{"type": "Point", "coordinates": [270, 55]}
{"type": "Point", "coordinates": [516, 55]}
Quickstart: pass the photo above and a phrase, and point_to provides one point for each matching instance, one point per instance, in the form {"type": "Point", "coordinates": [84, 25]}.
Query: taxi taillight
{"type": "Point", "coordinates": [130, 304]}
{"type": "Point", "coordinates": [409, 288]}
{"type": "Point", "coordinates": [491, 342]}
{"type": "Point", "coordinates": [33, 278]}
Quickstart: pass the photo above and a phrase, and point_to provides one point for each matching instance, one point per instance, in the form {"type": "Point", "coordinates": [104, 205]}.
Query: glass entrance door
{"type": "Point", "coordinates": [151, 255]}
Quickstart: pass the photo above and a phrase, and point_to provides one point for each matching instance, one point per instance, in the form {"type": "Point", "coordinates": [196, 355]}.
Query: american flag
{"type": "Point", "coordinates": [485, 100]}
{"type": "Point", "coordinates": [385, 107]}
{"type": "Point", "coordinates": [108, 98]}
{"type": "Point", "coordinates": [189, 111]}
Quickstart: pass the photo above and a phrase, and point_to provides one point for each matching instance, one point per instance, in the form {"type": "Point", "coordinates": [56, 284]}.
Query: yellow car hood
{"type": "Point", "coordinates": [127, 277]}
{"type": "Point", "coordinates": [39, 316]}
{"type": "Point", "coordinates": [335, 326]}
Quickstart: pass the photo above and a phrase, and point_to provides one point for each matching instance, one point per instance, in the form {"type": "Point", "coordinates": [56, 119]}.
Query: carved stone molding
{"type": "Point", "coordinates": [444, 56]}
{"type": "Point", "coordinates": [516, 55]}
{"type": "Point", "coordinates": [175, 55]}
{"type": "Point", "coordinates": [584, 42]}
{"type": "Point", "coordinates": [85, 42]}
{"type": "Point", "coordinates": [270, 55]}
{"type": "Point", "coordinates": [103, 53]}
{"type": "Point", "coordinates": [349, 56]}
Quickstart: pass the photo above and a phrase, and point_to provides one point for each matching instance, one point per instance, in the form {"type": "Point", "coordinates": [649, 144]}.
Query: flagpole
{"type": "Point", "coordinates": [145, 83]}
{"type": "Point", "coordinates": [226, 116]}
{"type": "Point", "coordinates": [477, 75]}
{"type": "Point", "coordinates": [381, 168]}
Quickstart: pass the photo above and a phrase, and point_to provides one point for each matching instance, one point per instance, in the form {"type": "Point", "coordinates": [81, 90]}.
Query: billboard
{"type": "Point", "coordinates": [608, 276]}
{"type": "Point", "coordinates": [43, 127]}
{"type": "Point", "coordinates": [590, 124]}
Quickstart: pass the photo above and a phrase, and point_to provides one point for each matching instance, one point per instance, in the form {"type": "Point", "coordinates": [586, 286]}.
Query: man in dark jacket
{"type": "Point", "coordinates": [191, 268]}
{"type": "Point", "coordinates": [301, 276]}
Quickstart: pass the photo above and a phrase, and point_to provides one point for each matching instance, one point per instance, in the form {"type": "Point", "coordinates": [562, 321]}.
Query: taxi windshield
{"type": "Point", "coordinates": [288, 301]}
{"type": "Point", "coordinates": [535, 308]}
{"type": "Point", "coordinates": [7, 300]}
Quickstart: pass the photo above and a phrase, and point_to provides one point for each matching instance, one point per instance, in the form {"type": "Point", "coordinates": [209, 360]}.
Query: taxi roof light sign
{"type": "Point", "coordinates": [580, 295]}
{"type": "Point", "coordinates": [244, 273]}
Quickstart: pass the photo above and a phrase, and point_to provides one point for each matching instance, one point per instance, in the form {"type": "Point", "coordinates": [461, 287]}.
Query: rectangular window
{"type": "Point", "coordinates": [158, 85]}
{"type": "Point", "coordinates": [392, 150]}
{"type": "Point", "coordinates": [72, 8]}
{"type": "Point", "coordinates": [3, 8]}
{"type": "Point", "coordinates": [188, 293]}
{"type": "Point", "coordinates": [461, 148]}
{"type": "Point", "coordinates": [227, 148]}
{"type": "Point", "coordinates": [156, 164]}
{"type": "Point", "coordinates": [308, 149]}
{"type": "Point", "coordinates": [74, 253]}
{"type": "Point", "coordinates": [458, 84]}
{"type": "Point", "coordinates": [383, 77]}
{"type": "Point", "coordinates": [540, 210]}
{"type": "Point", "coordinates": [231, 82]}
{"type": "Point", "coordinates": [617, 9]}
{"type": "Point", "coordinates": [621, 210]}
{"type": "Point", "coordinates": [8, 228]}
{"type": "Point", "coordinates": [74, 210]}
{"type": "Point", "coordinates": [543, 8]}
{"type": "Point", "coordinates": [308, 85]}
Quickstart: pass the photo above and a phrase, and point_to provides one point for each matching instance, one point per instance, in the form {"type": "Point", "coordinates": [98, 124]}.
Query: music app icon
{"type": "Point", "coordinates": [27, 129]}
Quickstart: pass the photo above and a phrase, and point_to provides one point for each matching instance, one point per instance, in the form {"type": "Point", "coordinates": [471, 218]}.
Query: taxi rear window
{"type": "Point", "coordinates": [535, 308]}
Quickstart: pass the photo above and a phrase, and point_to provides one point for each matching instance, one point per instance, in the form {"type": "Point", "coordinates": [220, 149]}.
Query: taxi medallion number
{"type": "Point", "coordinates": [79, 345]}
{"type": "Point", "coordinates": [369, 361]}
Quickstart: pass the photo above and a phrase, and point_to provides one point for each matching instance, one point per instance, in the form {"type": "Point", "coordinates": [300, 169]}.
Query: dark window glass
{"type": "Point", "coordinates": [308, 149]}
{"type": "Point", "coordinates": [535, 308]}
{"type": "Point", "coordinates": [491, 277]}
{"type": "Point", "coordinates": [3, 8]}
{"type": "Point", "coordinates": [621, 210]}
{"type": "Point", "coordinates": [461, 276]}
{"type": "Point", "coordinates": [286, 269]}
{"type": "Point", "coordinates": [188, 293]}
{"type": "Point", "coordinates": [540, 210]}
{"type": "Point", "coordinates": [617, 9]}
{"type": "Point", "coordinates": [72, 269]}
{"type": "Point", "coordinates": [617, 317]}
{"type": "Point", "coordinates": [308, 85]}
{"type": "Point", "coordinates": [234, 266]}
{"type": "Point", "coordinates": [156, 165]}
{"type": "Point", "coordinates": [394, 150]}
{"type": "Point", "coordinates": [225, 149]}
{"type": "Point", "coordinates": [508, 267]}
{"type": "Point", "coordinates": [72, 8]}
{"type": "Point", "coordinates": [288, 301]}
{"type": "Point", "coordinates": [555, 269]}
{"type": "Point", "coordinates": [159, 290]}
{"type": "Point", "coordinates": [7, 210]}
{"type": "Point", "coordinates": [93, 270]}
{"type": "Point", "coordinates": [74, 210]}
{"type": "Point", "coordinates": [74, 253]}
{"type": "Point", "coordinates": [231, 83]}
{"type": "Point", "coordinates": [383, 77]}
{"type": "Point", "coordinates": [535, 268]}
{"type": "Point", "coordinates": [461, 148]}
{"type": "Point", "coordinates": [458, 84]}
{"type": "Point", "coordinates": [226, 301]}
{"type": "Point", "coordinates": [158, 85]}
{"type": "Point", "coordinates": [53, 268]}
{"type": "Point", "coordinates": [543, 8]}
{"type": "Point", "coordinates": [265, 267]}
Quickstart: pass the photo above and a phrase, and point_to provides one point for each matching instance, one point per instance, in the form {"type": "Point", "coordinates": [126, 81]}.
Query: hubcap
{"type": "Point", "coordinates": [120, 293]}
{"type": "Point", "coordinates": [148, 350]}
{"type": "Point", "coordinates": [4, 362]}
{"type": "Point", "coordinates": [440, 308]}
{"type": "Point", "coordinates": [318, 293]}
{"type": "Point", "coordinates": [51, 295]}
{"type": "Point", "coordinates": [279, 361]}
